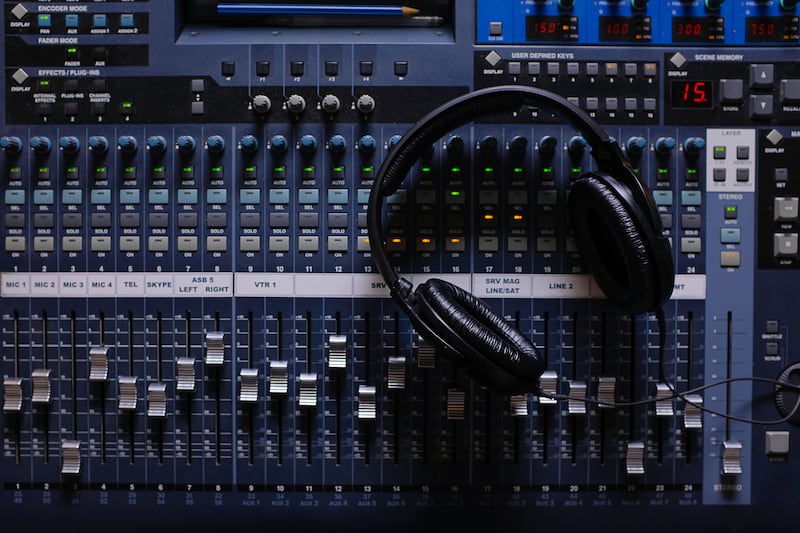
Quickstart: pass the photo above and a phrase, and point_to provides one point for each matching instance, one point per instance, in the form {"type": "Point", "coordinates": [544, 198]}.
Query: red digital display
{"type": "Point", "coordinates": [698, 29]}
{"type": "Point", "coordinates": [625, 29]}
{"type": "Point", "coordinates": [694, 94]}
{"type": "Point", "coordinates": [551, 28]}
{"type": "Point", "coordinates": [772, 29]}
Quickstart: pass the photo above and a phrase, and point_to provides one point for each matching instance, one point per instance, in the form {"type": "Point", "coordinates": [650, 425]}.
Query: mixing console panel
{"type": "Point", "coordinates": [194, 332]}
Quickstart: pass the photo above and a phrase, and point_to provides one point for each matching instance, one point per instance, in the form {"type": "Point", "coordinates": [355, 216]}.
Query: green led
{"type": "Point", "coordinates": [367, 169]}
{"type": "Point", "coordinates": [338, 169]}
{"type": "Point", "coordinates": [426, 169]}
{"type": "Point", "coordinates": [127, 105]}
{"type": "Point", "coordinates": [455, 193]}
{"type": "Point", "coordinates": [44, 83]}
{"type": "Point", "coordinates": [663, 171]}
{"type": "Point", "coordinates": [158, 169]}
{"type": "Point", "coordinates": [547, 170]}
{"type": "Point", "coordinates": [279, 169]}
{"type": "Point", "coordinates": [72, 50]}
{"type": "Point", "coordinates": [576, 170]}
{"type": "Point", "coordinates": [691, 171]}
{"type": "Point", "coordinates": [308, 169]}
{"type": "Point", "coordinates": [730, 208]}
{"type": "Point", "coordinates": [130, 169]}
{"type": "Point", "coordinates": [216, 169]}
{"type": "Point", "coordinates": [187, 169]}
{"type": "Point", "coordinates": [488, 169]}
{"type": "Point", "coordinates": [517, 170]}
{"type": "Point", "coordinates": [15, 170]}
{"type": "Point", "coordinates": [455, 169]}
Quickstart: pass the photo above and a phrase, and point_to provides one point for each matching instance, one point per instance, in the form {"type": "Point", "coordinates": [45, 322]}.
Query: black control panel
{"type": "Point", "coordinates": [194, 332]}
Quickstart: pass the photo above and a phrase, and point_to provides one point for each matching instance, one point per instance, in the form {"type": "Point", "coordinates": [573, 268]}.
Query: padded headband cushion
{"type": "Point", "coordinates": [611, 242]}
{"type": "Point", "coordinates": [468, 325]}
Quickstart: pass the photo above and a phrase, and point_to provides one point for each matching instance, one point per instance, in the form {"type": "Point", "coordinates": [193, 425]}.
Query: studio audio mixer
{"type": "Point", "coordinates": [194, 331]}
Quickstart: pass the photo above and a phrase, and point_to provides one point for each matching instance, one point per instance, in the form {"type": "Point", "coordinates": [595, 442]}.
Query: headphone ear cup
{"type": "Point", "coordinates": [611, 232]}
{"type": "Point", "coordinates": [494, 352]}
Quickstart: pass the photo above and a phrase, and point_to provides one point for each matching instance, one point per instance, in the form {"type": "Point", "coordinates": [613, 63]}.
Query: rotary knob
{"type": "Point", "coordinates": [366, 144]}
{"type": "Point", "coordinates": [455, 146]}
{"type": "Point", "coordinates": [664, 145]}
{"type": "Point", "coordinates": [186, 144]}
{"type": "Point", "coordinates": [295, 104]}
{"type": "Point", "coordinates": [308, 144]}
{"type": "Point", "coordinates": [215, 144]}
{"type": "Point", "coordinates": [393, 140]}
{"type": "Point", "coordinates": [713, 5]}
{"type": "Point", "coordinates": [337, 144]}
{"type": "Point", "coordinates": [488, 145]}
{"type": "Point", "coordinates": [331, 104]}
{"type": "Point", "coordinates": [693, 145]}
{"type": "Point", "coordinates": [639, 4]}
{"type": "Point", "coordinates": [11, 144]}
{"type": "Point", "coordinates": [787, 395]}
{"type": "Point", "coordinates": [249, 144]}
{"type": "Point", "coordinates": [517, 145]}
{"type": "Point", "coordinates": [41, 145]}
{"type": "Point", "coordinates": [635, 145]}
{"type": "Point", "coordinates": [576, 145]}
{"type": "Point", "coordinates": [261, 104]}
{"type": "Point", "coordinates": [278, 144]}
{"type": "Point", "coordinates": [157, 144]}
{"type": "Point", "coordinates": [128, 144]}
{"type": "Point", "coordinates": [69, 144]}
{"type": "Point", "coordinates": [548, 145]}
{"type": "Point", "coordinates": [365, 104]}
{"type": "Point", "coordinates": [98, 144]}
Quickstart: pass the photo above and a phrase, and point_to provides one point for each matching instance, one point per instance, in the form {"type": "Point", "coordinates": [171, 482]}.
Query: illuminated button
{"type": "Point", "coordinates": [44, 21]}
{"type": "Point", "coordinates": [455, 244]}
{"type": "Point", "coordinates": [730, 259]}
{"type": "Point", "coordinates": [396, 244]}
{"type": "Point", "coordinates": [785, 245]}
{"type": "Point", "coordinates": [362, 244]}
{"type": "Point", "coordinates": [426, 244]}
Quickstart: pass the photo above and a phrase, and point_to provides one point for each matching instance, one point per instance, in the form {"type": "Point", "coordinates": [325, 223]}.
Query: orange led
{"type": "Point", "coordinates": [397, 240]}
{"type": "Point", "coordinates": [455, 240]}
{"type": "Point", "coordinates": [488, 216]}
{"type": "Point", "coordinates": [425, 240]}
{"type": "Point", "coordinates": [518, 217]}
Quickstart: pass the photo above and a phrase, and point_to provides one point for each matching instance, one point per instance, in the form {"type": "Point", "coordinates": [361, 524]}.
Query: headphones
{"type": "Point", "coordinates": [612, 214]}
